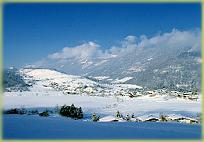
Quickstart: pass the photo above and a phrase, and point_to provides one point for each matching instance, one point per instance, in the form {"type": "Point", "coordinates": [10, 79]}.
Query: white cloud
{"type": "Point", "coordinates": [173, 39]}
{"type": "Point", "coordinates": [90, 50]}
{"type": "Point", "coordinates": [85, 50]}
{"type": "Point", "coordinates": [130, 39]}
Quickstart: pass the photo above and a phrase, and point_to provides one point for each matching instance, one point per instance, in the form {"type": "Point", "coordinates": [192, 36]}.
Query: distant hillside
{"type": "Point", "coordinates": [177, 68]}
{"type": "Point", "coordinates": [13, 81]}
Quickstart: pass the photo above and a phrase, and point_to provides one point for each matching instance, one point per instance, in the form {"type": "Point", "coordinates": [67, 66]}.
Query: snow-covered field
{"type": "Point", "coordinates": [35, 127]}
{"type": "Point", "coordinates": [102, 105]}
{"type": "Point", "coordinates": [50, 89]}
{"type": "Point", "coordinates": [41, 94]}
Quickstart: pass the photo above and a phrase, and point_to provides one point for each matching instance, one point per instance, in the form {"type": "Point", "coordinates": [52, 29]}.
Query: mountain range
{"type": "Point", "coordinates": [169, 61]}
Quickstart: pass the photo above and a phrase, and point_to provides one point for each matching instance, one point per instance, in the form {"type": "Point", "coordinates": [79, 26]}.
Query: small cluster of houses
{"type": "Point", "coordinates": [174, 94]}
{"type": "Point", "coordinates": [73, 89]}
{"type": "Point", "coordinates": [185, 95]}
{"type": "Point", "coordinates": [92, 89]}
{"type": "Point", "coordinates": [117, 90]}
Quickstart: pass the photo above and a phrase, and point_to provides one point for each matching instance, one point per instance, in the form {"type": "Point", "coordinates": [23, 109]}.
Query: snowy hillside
{"type": "Point", "coordinates": [50, 80]}
{"type": "Point", "coordinates": [13, 81]}
{"type": "Point", "coordinates": [51, 88]}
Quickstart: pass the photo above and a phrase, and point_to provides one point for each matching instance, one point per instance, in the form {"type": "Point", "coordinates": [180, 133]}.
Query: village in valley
{"type": "Point", "coordinates": [43, 82]}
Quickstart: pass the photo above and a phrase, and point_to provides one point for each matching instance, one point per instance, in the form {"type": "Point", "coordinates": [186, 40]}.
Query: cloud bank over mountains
{"type": "Point", "coordinates": [166, 60]}
{"type": "Point", "coordinates": [91, 50]}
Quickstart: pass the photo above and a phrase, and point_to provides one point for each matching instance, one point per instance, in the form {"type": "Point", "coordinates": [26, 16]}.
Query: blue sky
{"type": "Point", "coordinates": [33, 31]}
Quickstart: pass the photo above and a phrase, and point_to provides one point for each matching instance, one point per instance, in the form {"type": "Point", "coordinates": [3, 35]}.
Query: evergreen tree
{"type": "Point", "coordinates": [163, 118]}
{"type": "Point", "coordinates": [133, 116]}
{"type": "Point", "coordinates": [80, 115]}
{"type": "Point", "coordinates": [128, 117]}
{"type": "Point", "coordinates": [44, 113]}
{"type": "Point", "coordinates": [118, 115]}
{"type": "Point", "coordinates": [71, 111]}
{"type": "Point", "coordinates": [95, 118]}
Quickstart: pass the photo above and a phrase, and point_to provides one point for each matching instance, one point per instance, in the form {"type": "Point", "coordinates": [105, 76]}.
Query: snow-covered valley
{"type": "Point", "coordinates": [50, 89]}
